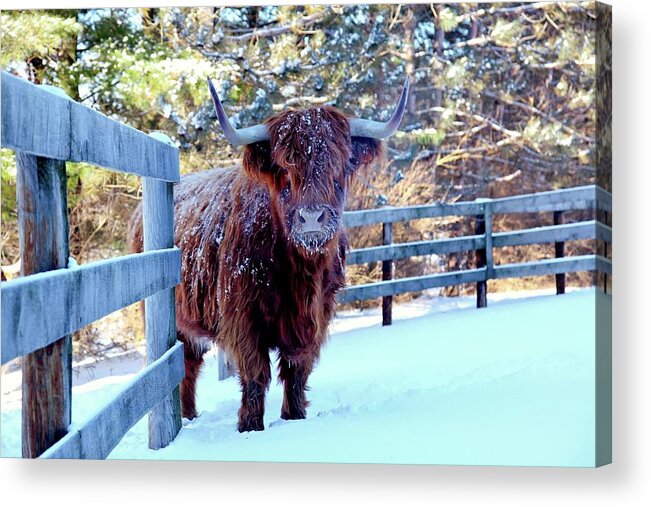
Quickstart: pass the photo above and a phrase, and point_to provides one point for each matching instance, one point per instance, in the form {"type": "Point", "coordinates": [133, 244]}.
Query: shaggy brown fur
{"type": "Point", "coordinates": [250, 282]}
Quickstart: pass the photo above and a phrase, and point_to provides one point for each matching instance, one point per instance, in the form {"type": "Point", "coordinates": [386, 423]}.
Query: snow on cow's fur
{"type": "Point", "coordinates": [263, 255]}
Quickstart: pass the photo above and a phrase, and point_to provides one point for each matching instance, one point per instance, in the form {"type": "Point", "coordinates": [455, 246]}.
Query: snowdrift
{"type": "Point", "coordinates": [511, 384]}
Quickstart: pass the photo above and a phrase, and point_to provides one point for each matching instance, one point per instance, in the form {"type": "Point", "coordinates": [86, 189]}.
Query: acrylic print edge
{"type": "Point", "coordinates": [603, 299]}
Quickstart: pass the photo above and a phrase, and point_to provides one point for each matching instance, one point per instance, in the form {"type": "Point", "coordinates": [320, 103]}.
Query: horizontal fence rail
{"type": "Point", "coordinates": [547, 267]}
{"type": "Point", "coordinates": [37, 310]}
{"type": "Point", "coordinates": [578, 198]}
{"type": "Point", "coordinates": [45, 122]}
{"type": "Point", "coordinates": [414, 249]}
{"type": "Point", "coordinates": [40, 310]}
{"type": "Point", "coordinates": [482, 211]}
{"type": "Point", "coordinates": [97, 437]}
{"type": "Point", "coordinates": [388, 215]}
{"type": "Point", "coordinates": [413, 284]}
{"type": "Point", "coordinates": [549, 234]}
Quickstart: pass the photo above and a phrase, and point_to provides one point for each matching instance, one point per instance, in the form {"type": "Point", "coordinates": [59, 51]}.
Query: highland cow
{"type": "Point", "coordinates": [263, 249]}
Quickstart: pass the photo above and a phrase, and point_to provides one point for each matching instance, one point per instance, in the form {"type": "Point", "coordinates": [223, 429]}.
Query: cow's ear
{"type": "Point", "coordinates": [257, 162]}
{"type": "Point", "coordinates": [365, 151]}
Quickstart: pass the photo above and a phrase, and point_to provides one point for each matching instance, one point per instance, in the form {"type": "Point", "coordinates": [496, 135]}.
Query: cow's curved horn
{"type": "Point", "coordinates": [377, 129]}
{"type": "Point", "coordinates": [237, 137]}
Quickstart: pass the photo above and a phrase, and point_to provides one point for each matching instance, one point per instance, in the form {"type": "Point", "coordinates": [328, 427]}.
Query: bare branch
{"type": "Point", "coordinates": [294, 101]}
{"type": "Point", "coordinates": [298, 25]}
{"type": "Point", "coordinates": [538, 112]}
{"type": "Point", "coordinates": [566, 6]}
{"type": "Point", "coordinates": [482, 119]}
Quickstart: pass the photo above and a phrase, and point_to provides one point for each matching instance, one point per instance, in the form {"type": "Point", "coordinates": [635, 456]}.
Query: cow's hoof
{"type": "Point", "coordinates": [292, 416]}
{"type": "Point", "coordinates": [250, 425]}
{"type": "Point", "coordinates": [189, 414]}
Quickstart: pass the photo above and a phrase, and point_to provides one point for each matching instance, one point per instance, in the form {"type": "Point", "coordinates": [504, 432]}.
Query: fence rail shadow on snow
{"type": "Point", "coordinates": [53, 299]}
{"type": "Point", "coordinates": [484, 241]}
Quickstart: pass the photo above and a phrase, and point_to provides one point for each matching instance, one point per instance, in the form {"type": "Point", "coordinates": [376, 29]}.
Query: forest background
{"type": "Point", "coordinates": [503, 102]}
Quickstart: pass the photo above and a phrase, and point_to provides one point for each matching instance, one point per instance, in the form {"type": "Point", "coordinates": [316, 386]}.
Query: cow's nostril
{"type": "Point", "coordinates": [311, 219]}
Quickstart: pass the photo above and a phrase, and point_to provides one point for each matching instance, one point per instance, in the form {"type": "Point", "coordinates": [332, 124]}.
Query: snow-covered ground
{"type": "Point", "coordinates": [511, 384]}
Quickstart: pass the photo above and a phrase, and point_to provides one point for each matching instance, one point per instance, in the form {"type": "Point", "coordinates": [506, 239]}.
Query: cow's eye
{"type": "Point", "coordinates": [285, 192]}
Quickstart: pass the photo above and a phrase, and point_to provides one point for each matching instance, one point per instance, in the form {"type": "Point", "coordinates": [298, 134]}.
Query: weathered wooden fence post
{"type": "Point", "coordinates": [559, 251]}
{"type": "Point", "coordinates": [160, 313]}
{"type": "Point", "coordinates": [387, 273]}
{"type": "Point", "coordinates": [484, 256]}
{"type": "Point", "coordinates": [43, 231]}
{"type": "Point", "coordinates": [488, 219]}
{"type": "Point", "coordinates": [480, 261]}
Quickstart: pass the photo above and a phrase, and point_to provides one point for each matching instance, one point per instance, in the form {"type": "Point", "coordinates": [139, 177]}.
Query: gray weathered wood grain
{"type": "Point", "coordinates": [393, 287]}
{"type": "Point", "coordinates": [43, 233]}
{"type": "Point", "coordinates": [104, 142]}
{"type": "Point", "coordinates": [97, 437]}
{"type": "Point", "coordinates": [568, 199]}
{"type": "Point", "coordinates": [547, 267]}
{"type": "Point", "coordinates": [535, 268]}
{"type": "Point", "coordinates": [413, 249]}
{"type": "Point", "coordinates": [34, 120]}
{"type": "Point", "coordinates": [388, 214]}
{"type": "Point", "coordinates": [554, 200]}
{"type": "Point", "coordinates": [586, 197]}
{"type": "Point", "coordinates": [160, 312]}
{"type": "Point", "coordinates": [39, 309]}
{"type": "Point", "coordinates": [39, 122]}
{"type": "Point", "coordinates": [546, 234]}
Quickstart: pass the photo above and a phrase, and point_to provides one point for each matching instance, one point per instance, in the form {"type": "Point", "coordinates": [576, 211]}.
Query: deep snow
{"type": "Point", "coordinates": [511, 384]}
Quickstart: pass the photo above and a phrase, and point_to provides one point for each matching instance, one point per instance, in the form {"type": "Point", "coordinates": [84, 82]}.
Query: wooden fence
{"type": "Point", "coordinates": [52, 299]}
{"type": "Point", "coordinates": [483, 242]}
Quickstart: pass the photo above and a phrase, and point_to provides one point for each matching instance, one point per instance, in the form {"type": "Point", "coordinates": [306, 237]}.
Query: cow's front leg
{"type": "Point", "coordinates": [254, 380]}
{"type": "Point", "coordinates": [295, 374]}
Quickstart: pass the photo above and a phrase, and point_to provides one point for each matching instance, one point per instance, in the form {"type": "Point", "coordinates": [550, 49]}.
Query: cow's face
{"type": "Point", "coordinates": [307, 165]}
{"type": "Point", "coordinates": [306, 159]}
